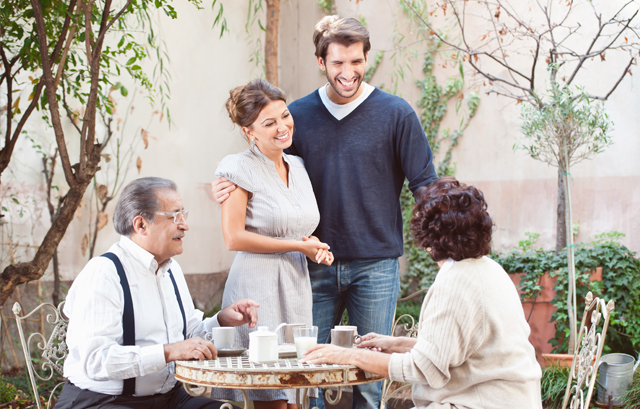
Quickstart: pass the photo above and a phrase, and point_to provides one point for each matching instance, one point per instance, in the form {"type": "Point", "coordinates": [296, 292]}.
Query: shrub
{"type": "Point", "coordinates": [620, 283]}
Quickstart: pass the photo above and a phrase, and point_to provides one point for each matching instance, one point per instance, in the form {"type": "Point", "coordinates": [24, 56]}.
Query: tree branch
{"type": "Point", "coordinates": [51, 93]}
{"type": "Point", "coordinates": [624, 74]}
{"type": "Point", "coordinates": [87, 138]}
{"type": "Point", "coordinates": [7, 73]}
{"type": "Point", "coordinates": [585, 56]}
{"type": "Point", "coordinates": [113, 20]}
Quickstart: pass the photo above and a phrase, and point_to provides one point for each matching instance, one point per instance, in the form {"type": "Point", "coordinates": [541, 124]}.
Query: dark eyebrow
{"type": "Point", "coordinates": [268, 119]}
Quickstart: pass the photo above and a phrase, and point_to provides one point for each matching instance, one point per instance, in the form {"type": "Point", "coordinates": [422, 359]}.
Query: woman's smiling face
{"type": "Point", "coordinates": [273, 129]}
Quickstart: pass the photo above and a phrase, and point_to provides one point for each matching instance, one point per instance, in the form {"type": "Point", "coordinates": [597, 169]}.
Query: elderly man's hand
{"type": "Point", "coordinates": [192, 348]}
{"type": "Point", "coordinates": [239, 313]}
{"type": "Point", "coordinates": [329, 354]}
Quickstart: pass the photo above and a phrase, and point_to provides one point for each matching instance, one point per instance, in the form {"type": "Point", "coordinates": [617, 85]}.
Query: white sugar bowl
{"type": "Point", "coordinates": [263, 346]}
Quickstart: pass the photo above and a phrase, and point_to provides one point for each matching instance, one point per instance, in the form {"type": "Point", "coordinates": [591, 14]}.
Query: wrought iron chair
{"type": "Point", "coordinates": [51, 351]}
{"type": "Point", "coordinates": [389, 387]}
{"type": "Point", "coordinates": [586, 358]}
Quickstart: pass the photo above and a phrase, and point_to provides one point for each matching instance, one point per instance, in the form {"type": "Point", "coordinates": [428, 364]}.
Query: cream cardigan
{"type": "Point", "coordinates": [472, 350]}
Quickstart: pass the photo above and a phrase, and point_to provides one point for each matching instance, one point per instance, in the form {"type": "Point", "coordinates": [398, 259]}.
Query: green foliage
{"type": "Point", "coordinates": [16, 387]}
{"type": "Point", "coordinates": [11, 393]}
{"type": "Point", "coordinates": [420, 270]}
{"type": "Point", "coordinates": [123, 52]}
{"type": "Point", "coordinates": [553, 386]}
{"type": "Point", "coordinates": [326, 6]}
{"type": "Point", "coordinates": [568, 122]}
{"type": "Point", "coordinates": [373, 66]}
{"type": "Point", "coordinates": [620, 283]}
{"type": "Point", "coordinates": [631, 400]}
{"type": "Point", "coordinates": [409, 307]}
{"type": "Point", "coordinates": [432, 107]}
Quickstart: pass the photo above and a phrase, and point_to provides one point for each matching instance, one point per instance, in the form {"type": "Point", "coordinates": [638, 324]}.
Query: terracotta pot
{"type": "Point", "coordinates": [563, 360]}
{"type": "Point", "coordinates": [539, 313]}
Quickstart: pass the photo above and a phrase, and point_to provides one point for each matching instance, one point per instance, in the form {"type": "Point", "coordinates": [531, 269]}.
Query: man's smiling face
{"type": "Point", "coordinates": [344, 67]}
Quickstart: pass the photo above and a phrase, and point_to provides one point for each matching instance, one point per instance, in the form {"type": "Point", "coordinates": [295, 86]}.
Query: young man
{"type": "Point", "coordinates": [131, 315]}
{"type": "Point", "coordinates": [358, 144]}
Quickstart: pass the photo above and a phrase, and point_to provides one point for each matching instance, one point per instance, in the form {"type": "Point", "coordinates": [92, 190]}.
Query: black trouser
{"type": "Point", "coordinates": [73, 397]}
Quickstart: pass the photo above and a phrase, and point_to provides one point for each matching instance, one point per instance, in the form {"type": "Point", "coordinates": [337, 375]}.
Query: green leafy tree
{"type": "Point", "coordinates": [550, 34]}
{"type": "Point", "coordinates": [73, 52]}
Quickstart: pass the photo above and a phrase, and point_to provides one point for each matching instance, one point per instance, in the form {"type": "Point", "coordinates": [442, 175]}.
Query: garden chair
{"type": "Point", "coordinates": [389, 387]}
{"type": "Point", "coordinates": [49, 353]}
{"type": "Point", "coordinates": [586, 358]}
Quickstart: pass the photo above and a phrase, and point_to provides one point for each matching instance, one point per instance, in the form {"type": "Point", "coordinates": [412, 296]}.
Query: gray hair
{"type": "Point", "coordinates": [139, 198]}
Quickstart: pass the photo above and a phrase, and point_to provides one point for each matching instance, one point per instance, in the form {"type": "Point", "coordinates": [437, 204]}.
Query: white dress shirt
{"type": "Point", "coordinates": [97, 361]}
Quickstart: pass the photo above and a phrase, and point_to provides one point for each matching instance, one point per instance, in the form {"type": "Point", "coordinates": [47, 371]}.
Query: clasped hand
{"type": "Point", "coordinates": [316, 250]}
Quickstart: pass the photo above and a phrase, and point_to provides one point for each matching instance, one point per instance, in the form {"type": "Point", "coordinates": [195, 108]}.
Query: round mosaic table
{"type": "Point", "coordinates": [240, 373]}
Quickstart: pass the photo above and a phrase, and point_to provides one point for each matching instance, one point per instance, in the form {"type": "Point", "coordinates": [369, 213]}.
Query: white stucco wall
{"type": "Point", "coordinates": [520, 191]}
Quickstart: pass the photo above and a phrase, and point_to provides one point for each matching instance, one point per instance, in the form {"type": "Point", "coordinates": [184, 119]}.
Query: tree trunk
{"type": "Point", "coordinates": [561, 226]}
{"type": "Point", "coordinates": [20, 273]}
{"type": "Point", "coordinates": [271, 41]}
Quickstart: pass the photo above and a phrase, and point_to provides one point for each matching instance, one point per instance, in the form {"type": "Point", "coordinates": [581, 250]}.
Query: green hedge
{"type": "Point", "coordinates": [620, 283]}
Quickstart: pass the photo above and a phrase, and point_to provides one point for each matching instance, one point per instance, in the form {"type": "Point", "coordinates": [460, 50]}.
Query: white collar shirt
{"type": "Point", "coordinates": [97, 359]}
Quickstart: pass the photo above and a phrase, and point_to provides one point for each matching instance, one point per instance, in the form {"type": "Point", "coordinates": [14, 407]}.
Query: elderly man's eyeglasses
{"type": "Point", "coordinates": [178, 217]}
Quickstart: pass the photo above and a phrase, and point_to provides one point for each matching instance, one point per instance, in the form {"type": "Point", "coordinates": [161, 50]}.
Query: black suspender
{"type": "Point", "coordinates": [184, 318]}
{"type": "Point", "coordinates": [128, 320]}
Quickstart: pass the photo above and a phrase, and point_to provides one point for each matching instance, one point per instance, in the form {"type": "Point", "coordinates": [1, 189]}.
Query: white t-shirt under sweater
{"type": "Point", "coordinates": [472, 349]}
{"type": "Point", "coordinates": [340, 111]}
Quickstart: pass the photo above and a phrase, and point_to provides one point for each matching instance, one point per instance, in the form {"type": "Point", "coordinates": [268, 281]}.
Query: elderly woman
{"type": "Point", "coordinates": [472, 349]}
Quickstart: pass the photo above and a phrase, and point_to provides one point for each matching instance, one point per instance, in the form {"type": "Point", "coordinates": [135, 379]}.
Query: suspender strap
{"type": "Point", "coordinates": [128, 321]}
{"type": "Point", "coordinates": [184, 318]}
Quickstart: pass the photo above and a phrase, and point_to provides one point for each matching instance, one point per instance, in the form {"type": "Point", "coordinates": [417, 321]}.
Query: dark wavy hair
{"type": "Point", "coordinates": [450, 220]}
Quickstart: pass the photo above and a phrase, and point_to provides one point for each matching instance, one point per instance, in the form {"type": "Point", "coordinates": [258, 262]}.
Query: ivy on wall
{"type": "Point", "coordinates": [433, 104]}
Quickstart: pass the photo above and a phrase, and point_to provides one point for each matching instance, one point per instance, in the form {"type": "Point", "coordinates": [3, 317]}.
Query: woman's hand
{"type": "Point", "coordinates": [381, 343]}
{"type": "Point", "coordinates": [316, 250]}
{"type": "Point", "coordinates": [328, 354]}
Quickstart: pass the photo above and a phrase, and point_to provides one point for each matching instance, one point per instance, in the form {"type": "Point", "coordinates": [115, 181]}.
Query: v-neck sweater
{"type": "Point", "coordinates": [357, 166]}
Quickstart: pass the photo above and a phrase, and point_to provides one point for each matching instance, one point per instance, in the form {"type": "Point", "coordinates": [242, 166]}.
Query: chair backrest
{"type": "Point", "coordinates": [389, 387]}
{"type": "Point", "coordinates": [586, 358]}
{"type": "Point", "coordinates": [51, 351]}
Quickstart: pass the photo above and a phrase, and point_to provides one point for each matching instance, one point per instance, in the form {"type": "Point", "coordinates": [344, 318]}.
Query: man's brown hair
{"type": "Point", "coordinates": [341, 30]}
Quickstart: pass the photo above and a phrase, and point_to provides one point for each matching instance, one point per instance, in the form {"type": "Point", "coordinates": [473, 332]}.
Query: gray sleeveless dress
{"type": "Point", "coordinates": [279, 281]}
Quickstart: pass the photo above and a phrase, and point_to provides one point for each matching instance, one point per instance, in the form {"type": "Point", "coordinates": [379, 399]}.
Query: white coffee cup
{"type": "Point", "coordinates": [221, 337]}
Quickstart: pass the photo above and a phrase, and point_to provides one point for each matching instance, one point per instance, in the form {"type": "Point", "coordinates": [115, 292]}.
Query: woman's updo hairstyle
{"type": "Point", "coordinates": [245, 102]}
{"type": "Point", "coordinates": [451, 220]}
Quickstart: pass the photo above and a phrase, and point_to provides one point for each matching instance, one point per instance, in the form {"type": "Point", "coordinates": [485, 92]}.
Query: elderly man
{"type": "Point", "coordinates": [131, 315]}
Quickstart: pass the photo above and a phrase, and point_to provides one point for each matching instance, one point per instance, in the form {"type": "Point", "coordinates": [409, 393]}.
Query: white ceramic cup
{"type": "Point", "coordinates": [221, 337]}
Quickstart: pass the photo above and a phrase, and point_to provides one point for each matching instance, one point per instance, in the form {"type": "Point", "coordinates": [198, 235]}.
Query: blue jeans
{"type": "Point", "coordinates": [368, 289]}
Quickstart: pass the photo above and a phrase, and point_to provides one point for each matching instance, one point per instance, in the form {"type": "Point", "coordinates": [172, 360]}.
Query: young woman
{"type": "Point", "coordinates": [268, 219]}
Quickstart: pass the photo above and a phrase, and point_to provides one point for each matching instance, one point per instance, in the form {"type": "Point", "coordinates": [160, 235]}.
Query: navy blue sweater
{"type": "Point", "coordinates": [357, 166]}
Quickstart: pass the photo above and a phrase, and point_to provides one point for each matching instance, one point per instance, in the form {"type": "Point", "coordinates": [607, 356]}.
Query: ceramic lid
{"type": "Point", "coordinates": [262, 332]}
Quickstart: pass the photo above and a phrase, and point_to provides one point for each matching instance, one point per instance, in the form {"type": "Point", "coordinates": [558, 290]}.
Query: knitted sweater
{"type": "Point", "coordinates": [357, 166]}
{"type": "Point", "coordinates": [472, 349]}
